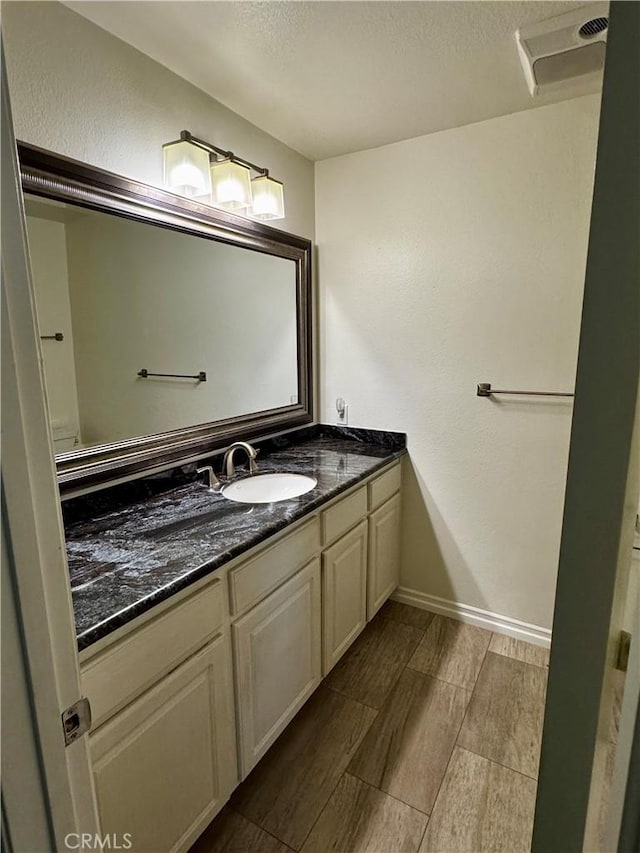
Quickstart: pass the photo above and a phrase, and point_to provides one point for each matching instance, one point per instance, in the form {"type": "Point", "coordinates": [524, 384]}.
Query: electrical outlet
{"type": "Point", "coordinates": [343, 412]}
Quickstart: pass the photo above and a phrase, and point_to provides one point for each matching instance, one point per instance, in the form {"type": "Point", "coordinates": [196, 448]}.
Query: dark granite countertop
{"type": "Point", "coordinates": [125, 559]}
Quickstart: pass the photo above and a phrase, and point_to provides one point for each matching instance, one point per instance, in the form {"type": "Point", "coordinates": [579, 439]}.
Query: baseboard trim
{"type": "Point", "coordinates": [474, 616]}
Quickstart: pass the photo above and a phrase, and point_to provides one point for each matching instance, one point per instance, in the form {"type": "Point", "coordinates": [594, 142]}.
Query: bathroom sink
{"type": "Point", "coordinates": [267, 488]}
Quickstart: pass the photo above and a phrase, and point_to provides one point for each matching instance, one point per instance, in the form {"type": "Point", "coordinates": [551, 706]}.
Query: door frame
{"type": "Point", "coordinates": [35, 576]}
{"type": "Point", "coordinates": [602, 482]}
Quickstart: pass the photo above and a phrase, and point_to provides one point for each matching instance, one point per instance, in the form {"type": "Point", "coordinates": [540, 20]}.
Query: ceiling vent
{"type": "Point", "coordinates": [564, 51]}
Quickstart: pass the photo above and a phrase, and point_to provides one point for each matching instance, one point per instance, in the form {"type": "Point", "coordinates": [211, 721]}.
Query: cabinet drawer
{"type": "Point", "coordinates": [384, 486]}
{"type": "Point", "coordinates": [122, 671]}
{"type": "Point", "coordinates": [250, 582]}
{"type": "Point", "coordinates": [344, 515]}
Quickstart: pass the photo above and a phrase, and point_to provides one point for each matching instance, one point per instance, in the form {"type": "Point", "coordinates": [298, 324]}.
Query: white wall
{"type": "Point", "coordinates": [77, 90]}
{"type": "Point", "coordinates": [444, 261]}
{"type": "Point", "coordinates": [48, 250]}
{"type": "Point", "coordinates": [146, 297]}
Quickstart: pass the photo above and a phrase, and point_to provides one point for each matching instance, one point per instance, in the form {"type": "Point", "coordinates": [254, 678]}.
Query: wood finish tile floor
{"type": "Point", "coordinates": [425, 738]}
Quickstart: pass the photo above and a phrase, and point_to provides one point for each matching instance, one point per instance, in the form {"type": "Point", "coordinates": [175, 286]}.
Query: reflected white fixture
{"type": "Point", "coordinates": [565, 53]}
{"type": "Point", "coordinates": [186, 169]}
{"type": "Point", "coordinates": [230, 185]}
{"type": "Point", "coordinates": [198, 169]}
{"type": "Point", "coordinates": [268, 198]}
{"type": "Point", "coordinates": [268, 488]}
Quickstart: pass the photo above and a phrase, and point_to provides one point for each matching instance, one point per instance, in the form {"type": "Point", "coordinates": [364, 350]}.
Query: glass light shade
{"type": "Point", "coordinates": [186, 169]}
{"type": "Point", "coordinates": [230, 185]}
{"type": "Point", "coordinates": [268, 198]}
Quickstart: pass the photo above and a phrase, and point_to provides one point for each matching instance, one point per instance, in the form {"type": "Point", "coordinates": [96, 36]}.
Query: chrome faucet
{"type": "Point", "coordinates": [251, 452]}
{"type": "Point", "coordinates": [211, 477]}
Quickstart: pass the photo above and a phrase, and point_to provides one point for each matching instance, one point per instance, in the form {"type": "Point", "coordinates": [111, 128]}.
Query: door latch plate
{"type": "Point", "coordinates": [623, 651]}
{"type": "Point", "coordinates": [76, 720]}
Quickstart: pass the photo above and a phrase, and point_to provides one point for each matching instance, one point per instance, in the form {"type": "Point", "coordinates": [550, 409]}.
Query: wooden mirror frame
{"type": "Point", "coordinates": [52, 176]}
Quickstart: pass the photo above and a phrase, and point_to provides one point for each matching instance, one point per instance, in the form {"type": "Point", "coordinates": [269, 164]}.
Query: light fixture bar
{"type": "Point", "coordinates": [186, 136]}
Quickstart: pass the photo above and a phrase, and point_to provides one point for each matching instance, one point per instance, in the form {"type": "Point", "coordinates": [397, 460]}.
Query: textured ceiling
{"type": "Point", "coordinates": [329, 78]}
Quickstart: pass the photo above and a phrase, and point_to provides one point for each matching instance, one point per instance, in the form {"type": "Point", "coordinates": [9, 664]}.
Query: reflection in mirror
{"type": "Point", "coordinates": [129, 296]}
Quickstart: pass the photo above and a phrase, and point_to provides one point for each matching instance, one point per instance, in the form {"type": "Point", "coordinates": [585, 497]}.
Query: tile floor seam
{"type": "Point", "coordinates": [464, 717]}
{"type": "Point", "coordinates": [498, 763]}
{"type": "Point", "coordinates": [331, 793]}
{"type": "Point", "coordinates": [382, 791]}
{"type": "Point", "coordinates": [455, 744]}
{"type": "Point", "coordinates": [466, 711]}
{"type": "Point", "coordinates": [528, 662]}
{"type": "Point", "coordinates": [444, 680]}
{"type": "Point", "coordinates": [446, 811]}
{"type": "Point", "coordinates": [261, 828]}
{"type": "Point", "coordinates": [374, 788]}
{"type": "Point", "coordinates": [398, 800]}
{"type": "Point", "coordinates": [321, 812]}
{"type": "Point", "coordinates": [366, 704]}
{"type": "Point", "coordinates": [346, 696]}
{"type": "Point", "coordinates": [297, 849]}
{"type": "Point", "coordinates": [352, 775]}
{"type": "Point", "coordinates": [257, 823]}
{"type": "Point", "coordinates": [506, 766]}
{"type": "Point", "coordinates": [423, 835]}
{"type": "Point", "coordinates": [386, 793]}
{"type": "Point", "coordinates": [408, 624]}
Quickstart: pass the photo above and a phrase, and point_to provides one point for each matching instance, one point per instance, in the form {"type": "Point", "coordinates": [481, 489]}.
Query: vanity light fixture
{"type": "Point", "coordinates": [186, 168]}
{"type": "Point", "coordinates": [268, 198]}
{"type": "Point", "coordinates": [230, 185]}
{"type": "Point", "coordinates": [227, 183]}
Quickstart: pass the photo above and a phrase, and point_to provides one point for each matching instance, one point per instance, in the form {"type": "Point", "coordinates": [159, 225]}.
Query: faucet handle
{"type": "Point", "coordinates": [212, 479]}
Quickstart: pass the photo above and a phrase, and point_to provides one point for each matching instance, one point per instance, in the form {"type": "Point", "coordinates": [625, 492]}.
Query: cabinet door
{"type": "Point", "coordinates": [384, 554]}
{"type": "Point", "coordinates": [277, 662]}
{"type": "Point", "coordinates": [344, 594]}
{"type": "Point", "coordinates": [166, 764]}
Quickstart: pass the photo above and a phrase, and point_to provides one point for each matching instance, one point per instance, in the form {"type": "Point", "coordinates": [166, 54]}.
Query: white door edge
{"type": "Point", "coordinates": [40, 584]}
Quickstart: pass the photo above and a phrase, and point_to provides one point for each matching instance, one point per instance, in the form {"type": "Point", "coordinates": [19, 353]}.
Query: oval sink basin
{"type": "Point", "coordinates": [267, 488]}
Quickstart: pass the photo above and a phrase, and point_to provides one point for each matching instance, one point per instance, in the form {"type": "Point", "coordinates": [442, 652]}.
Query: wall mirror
{"type": "Point", "coordinates": [168, 329]}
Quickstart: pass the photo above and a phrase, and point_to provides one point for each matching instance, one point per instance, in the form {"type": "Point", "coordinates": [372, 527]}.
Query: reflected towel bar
{"type": "Point", "coordinates": [201, 377]}
{"type": "Point", "coordinates": [484, 389]}
{"type": "Point", "coordinates": [58, 336]}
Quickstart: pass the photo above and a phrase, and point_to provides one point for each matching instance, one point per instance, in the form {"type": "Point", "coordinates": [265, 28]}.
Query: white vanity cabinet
{"type": "Point", "coordinates": [171, 736]}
